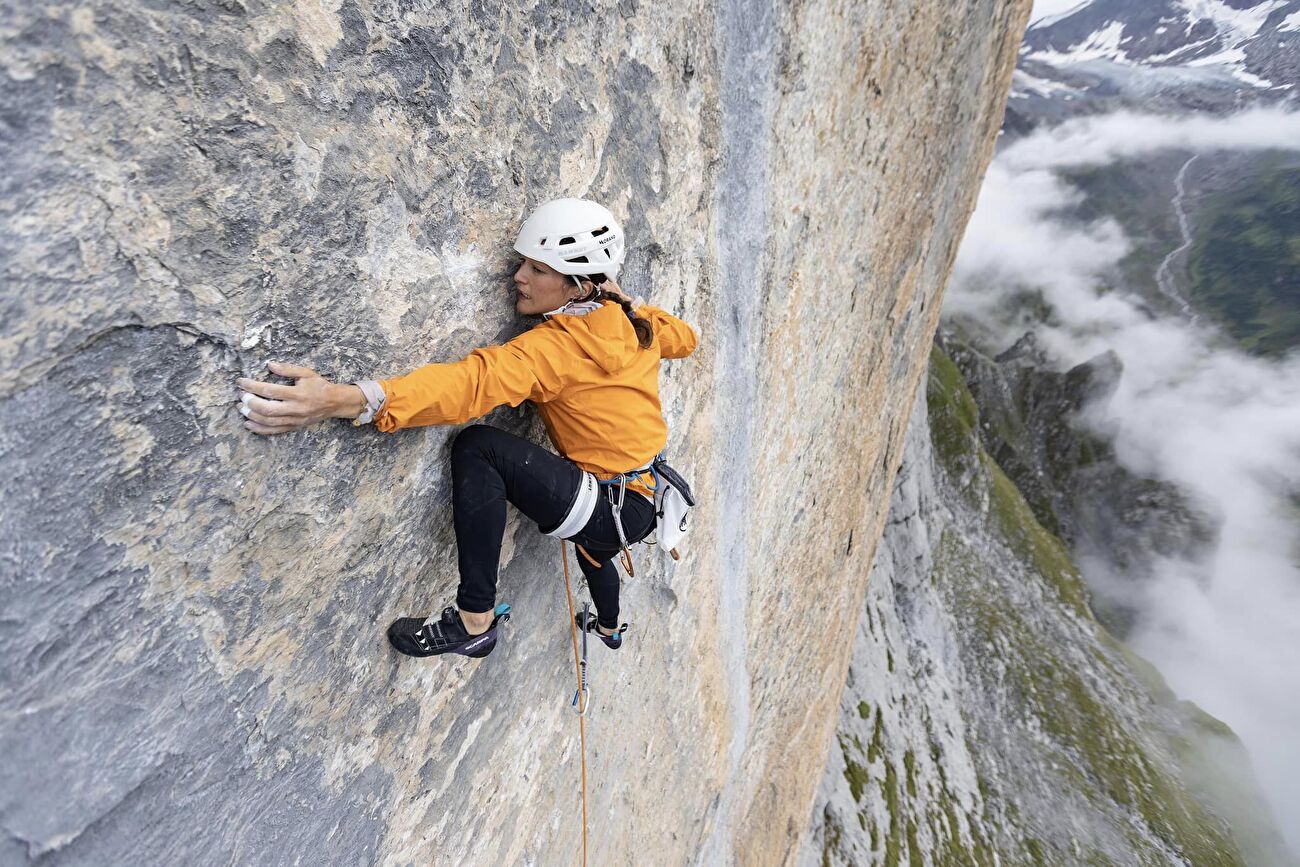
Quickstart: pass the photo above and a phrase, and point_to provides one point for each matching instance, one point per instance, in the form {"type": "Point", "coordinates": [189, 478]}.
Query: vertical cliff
{"type": "Point", "coordinates": [193, 616]}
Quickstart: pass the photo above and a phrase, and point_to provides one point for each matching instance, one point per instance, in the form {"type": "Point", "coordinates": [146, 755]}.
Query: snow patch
{"type": "Point", "coordinates": [1237, 24]}
{"type": "Point", "coordinates": [1048, 12]}
{"type": "Point", "coordinates": [1023, 84]}
{"type": "Point", "coordinates": [1103, 44]}
{"type": "Point", "coordinates": [1233, 60]}
{"type": "Point", "coordinates": [1251, 78]}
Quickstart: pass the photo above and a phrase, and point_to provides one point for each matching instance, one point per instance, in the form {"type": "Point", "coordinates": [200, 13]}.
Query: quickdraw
{"type": "Point", "coordinates": [616, 505]}
{"type": "Point", "coordinates": [582, 695]}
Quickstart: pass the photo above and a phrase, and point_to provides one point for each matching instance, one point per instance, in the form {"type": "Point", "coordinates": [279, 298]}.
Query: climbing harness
{"type": "Point", "coordinates": [580, 667]}
{"type": "Point", "coordinates": [672, 501]}
{"type": "Point", "coordinates": [616, 505]}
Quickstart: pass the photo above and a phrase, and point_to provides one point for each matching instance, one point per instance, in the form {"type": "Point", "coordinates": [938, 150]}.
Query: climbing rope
{"type": "Point", "coordinates": [580, 698]}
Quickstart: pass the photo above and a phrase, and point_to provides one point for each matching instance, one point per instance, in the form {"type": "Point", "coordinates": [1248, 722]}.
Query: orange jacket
{"type": "Point", "coordinates": [596, 390]}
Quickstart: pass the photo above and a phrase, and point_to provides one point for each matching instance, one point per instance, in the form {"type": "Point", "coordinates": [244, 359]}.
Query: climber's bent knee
{"type": "Point", "coordinates": [474, 437]}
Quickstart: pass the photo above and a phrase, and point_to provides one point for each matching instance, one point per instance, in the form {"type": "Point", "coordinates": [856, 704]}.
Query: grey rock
{"type": "Point", "coordinates": [195, 665]}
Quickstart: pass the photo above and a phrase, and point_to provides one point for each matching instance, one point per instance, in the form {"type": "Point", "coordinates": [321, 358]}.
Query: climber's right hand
{"type": "Point", "coordinates": [274, 409]}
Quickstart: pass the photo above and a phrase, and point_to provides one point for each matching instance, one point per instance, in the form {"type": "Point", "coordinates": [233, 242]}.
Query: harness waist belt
{"type": "Point", "coordinates": [584, 503]}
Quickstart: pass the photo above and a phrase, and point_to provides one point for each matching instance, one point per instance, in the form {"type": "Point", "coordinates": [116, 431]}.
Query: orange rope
{"type": "Point", "coordinates": [582, 695]}
{"type": "Point", "coordinates": [627, 559]}
{"type": "Point", "coordinates": [588, 557]}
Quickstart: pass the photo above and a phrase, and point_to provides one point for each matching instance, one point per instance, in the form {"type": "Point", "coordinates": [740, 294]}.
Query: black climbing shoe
{"type": "Point", "coordinates": [416, 636]}
{"type": "Point", "coordinates": [613, 642]}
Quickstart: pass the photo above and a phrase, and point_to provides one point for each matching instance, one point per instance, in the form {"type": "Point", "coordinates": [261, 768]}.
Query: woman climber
{"type": "Point", "coordinates": [591, 367]}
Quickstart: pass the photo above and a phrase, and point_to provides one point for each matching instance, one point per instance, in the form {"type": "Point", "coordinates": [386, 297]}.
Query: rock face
{"type": "Point", "coordinates": [193, 616]}
{"type": "Point", "coordinates": [988, 718]}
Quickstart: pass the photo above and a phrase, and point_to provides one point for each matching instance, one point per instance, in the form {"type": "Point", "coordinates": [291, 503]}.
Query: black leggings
{"type": "Point", "coordinates": [489, 467]}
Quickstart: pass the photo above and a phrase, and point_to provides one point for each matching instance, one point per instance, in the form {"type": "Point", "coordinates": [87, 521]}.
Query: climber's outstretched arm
{"type": "Point", "coordinates": [536, 366]}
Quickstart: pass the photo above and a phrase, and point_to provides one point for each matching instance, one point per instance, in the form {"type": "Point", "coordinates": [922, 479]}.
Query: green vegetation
{"type": "Point", "coordinates": [1102, 756]}
{"type": "Point", "coordinates": [913, 847]}
{"type": "Point", "coordinates": [1138, 198]}
{"type": "Point", "coordinates": [854, 773]}
{"type": "Point", "coordinates": [1081, 697]}
{"type": "Point", "coordinates": [1244, 265]}
{"type": "Point", "coordinates": [953, 414]}
{"type": "Point", "coordinates": [834, 834]}
{"type": "Point", "coordinates": [894, 840]}
{"type": "Point", "coordinates": [1033, 544]}
{"type": "Point", "coordinates": [876, 748]}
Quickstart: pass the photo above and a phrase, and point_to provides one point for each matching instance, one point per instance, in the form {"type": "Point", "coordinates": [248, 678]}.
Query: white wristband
{"type": "Point", "coordinates": [375, 400]}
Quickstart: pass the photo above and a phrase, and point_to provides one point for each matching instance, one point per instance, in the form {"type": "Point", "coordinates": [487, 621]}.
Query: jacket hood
{"type": "Point", "coordinates": [605, 335]}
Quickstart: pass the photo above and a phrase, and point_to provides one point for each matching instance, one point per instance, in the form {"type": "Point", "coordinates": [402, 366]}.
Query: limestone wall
{"type": "Point", "coordinates": [193, 616]}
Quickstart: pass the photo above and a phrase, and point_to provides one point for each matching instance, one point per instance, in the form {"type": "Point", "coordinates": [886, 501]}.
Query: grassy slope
{"type": "Point", "coordinates": [1244, 266]}
{"type": "Point", "coordinates": [1107, 759]}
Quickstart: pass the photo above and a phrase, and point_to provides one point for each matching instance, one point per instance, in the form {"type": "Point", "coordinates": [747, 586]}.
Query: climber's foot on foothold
{"type": "Point", "coordinates": [613, 642]}
{"type": "Point", "coordinates": [418, 636]}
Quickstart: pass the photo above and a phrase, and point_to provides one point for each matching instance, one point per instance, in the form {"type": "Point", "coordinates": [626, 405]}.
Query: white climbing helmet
{"type": "Point", "coordinates": [573, 236]}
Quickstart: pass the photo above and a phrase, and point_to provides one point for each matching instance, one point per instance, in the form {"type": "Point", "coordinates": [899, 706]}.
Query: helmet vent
{"type": "Point", "coordinates": [542, 242]}
{"type": "Point", "coordinates": [566, 240]}
{"type": "Point", "coordinates": [596, 233]}
{"type": "Point", "coordinates": [577, 259]}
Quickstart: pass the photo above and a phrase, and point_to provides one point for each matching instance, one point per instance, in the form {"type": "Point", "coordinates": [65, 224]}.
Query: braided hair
{"type": "Point", "coordinates": [644, 331]}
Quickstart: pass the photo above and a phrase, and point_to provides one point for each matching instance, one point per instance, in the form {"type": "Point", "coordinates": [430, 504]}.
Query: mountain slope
{"type": "Point", "coordinates": [1161, 55]}
{"type": "Point", "coordinates": [989, 718]}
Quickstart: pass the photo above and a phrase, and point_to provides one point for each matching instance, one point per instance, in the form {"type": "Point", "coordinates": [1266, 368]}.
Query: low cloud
{"type": "Point", "coordinates": [1107, 138]}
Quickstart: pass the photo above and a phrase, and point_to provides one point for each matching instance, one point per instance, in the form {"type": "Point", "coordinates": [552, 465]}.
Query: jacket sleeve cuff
{"type": "Point", "coordinates": [375, 400]}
